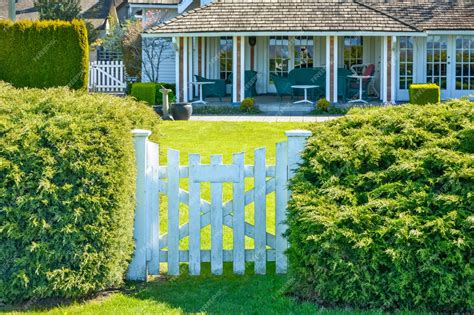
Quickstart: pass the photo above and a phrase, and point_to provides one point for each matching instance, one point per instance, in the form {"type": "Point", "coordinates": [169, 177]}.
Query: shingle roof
{"type": "Point", "coordinates": [154, 1]}
{"type": "Point", "coordinates": [432, 15]}
{"type": "Point", "coordinates": [283, 15]}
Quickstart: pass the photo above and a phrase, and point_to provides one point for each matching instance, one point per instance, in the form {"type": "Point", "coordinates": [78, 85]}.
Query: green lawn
{"type": "Point", "coordinates": [227, 294]}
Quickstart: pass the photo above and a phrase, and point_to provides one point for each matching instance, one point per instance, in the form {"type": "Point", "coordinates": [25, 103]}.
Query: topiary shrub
{"type": "Point", "coordinates": [247, 104]}
{"type": "Point", "coordinates": [323, 104]}
{"type": "Point", "coordinates": [381, 214]}
{"type": "Point", "coordinates": [422, 94]}
{"type": "Point", "coordinates": [145, 92]}
{"type": "Point", "coordinates": [67, 183]}
{"type": "Point", "coordinates": [44, 54]}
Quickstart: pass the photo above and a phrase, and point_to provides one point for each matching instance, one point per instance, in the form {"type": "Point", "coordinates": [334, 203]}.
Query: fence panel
{"type": "Point", "coordinates": [107, 76]}
{"type": "Point", "coordinates": [151, 248]}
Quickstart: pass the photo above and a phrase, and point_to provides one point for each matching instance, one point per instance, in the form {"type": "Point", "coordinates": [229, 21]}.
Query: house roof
{"type": "Point", "coordinates": [432, 15]}
{"type": "Point", "coordinates": [94, 11]}
{"type": "Point", "coordinates": [283, 15]}
{"type": "Point", "coordinates": [323, 15]}
{"type": "Point", "coordinates": [154, 2]}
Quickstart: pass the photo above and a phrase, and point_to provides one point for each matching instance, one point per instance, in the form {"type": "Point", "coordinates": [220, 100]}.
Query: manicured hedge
{"type": "Point", "coordinates": [67, 184]}
{"type": "Point", "coordinates": [44, 54]}
{"type": "Point", "coordinates": [149, 92]}
{"type": "Point", "coordinates": [422, 94]}
{"type": "Point", "coordinates": [381, 214]}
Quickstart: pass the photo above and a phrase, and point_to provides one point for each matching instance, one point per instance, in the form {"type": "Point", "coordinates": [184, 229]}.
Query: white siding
{"type": "Point", "coordinates": [167, 71]}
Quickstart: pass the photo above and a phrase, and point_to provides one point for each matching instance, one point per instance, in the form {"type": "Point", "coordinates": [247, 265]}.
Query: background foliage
{"type": "Point", "coordinates": [382, 210]}
{"type": "Point", "coordinates": [67, 186]}
{"type": "Point", "coordinates": [44, 54]}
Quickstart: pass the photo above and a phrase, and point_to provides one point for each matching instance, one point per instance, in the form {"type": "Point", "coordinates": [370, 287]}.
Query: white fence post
{"type": "Point", "coordinates": [296, 143]}
{"type": "Point", "coordinates": [137, 270]}
{"type": "Point", "coordinates": [281, 200]}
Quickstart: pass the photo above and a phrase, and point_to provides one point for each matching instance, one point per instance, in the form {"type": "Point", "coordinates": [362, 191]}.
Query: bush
{"type": "Point", "coordinates": [44, 54]}
{"type": "Point", "coordinates": [422, 94]}
{"type": "Point", "coordinates": [247, 104]}
{"type": "Point", "coordinates": [323, 104]}
{"type": "Point", "coordinates": [381, 214]}
{"type": "Point", "coordinates": [150, 92]}
{"type": "Point", "coordinates": [67, 183]}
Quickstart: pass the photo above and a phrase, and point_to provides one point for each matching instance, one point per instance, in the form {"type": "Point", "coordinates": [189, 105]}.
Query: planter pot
{"type": "Point", "coordinates": [181, 111]}
{"type": "Point", "coordinates": [158, 109]}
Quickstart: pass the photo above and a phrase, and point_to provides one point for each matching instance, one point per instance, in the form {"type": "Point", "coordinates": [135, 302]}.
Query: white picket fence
{"type": "Point", "coordinates": [107, 77]}
{"type": "Point", "coordinates": [152, 249]}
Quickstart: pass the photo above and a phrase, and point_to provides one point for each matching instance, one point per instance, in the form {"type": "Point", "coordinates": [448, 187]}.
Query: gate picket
{"type": "Point", "coordinates": [216, 222]}
{"type": "Point", "coordinates": [150, 246]}
{"type": "Point", "coordinates": [173, 212]}
{"type": "Point", "coordinates": [238, 222]}
{"type": "Point", "coordinates": [260, 205]}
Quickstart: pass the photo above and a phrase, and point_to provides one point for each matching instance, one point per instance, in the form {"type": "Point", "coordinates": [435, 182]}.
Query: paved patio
{"type": "Point", "coordinates": [263, 118]}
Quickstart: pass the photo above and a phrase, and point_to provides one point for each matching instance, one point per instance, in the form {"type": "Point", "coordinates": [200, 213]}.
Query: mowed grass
{"type": "Point", "coordinates": [205, 294]}
{"type": "Point", "coordinates": [224, 138]}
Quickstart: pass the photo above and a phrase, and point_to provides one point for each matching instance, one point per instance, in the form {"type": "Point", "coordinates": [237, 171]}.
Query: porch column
{"type": "Point", "coordinates": [238, 69]}
{"type": "Point", "coordinates": [201, 53]}
{"type": "Point", "coordinates": [182, 69]}
{"type": "Point", "coordinates": [331, 68]}
{"type": "Point", "coordinates": [388, 73]}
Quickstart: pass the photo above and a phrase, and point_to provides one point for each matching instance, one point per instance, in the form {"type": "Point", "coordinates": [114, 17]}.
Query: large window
{"type": "Point", "coordinates": [465, 63]}
{"type": "Point", "coordinates": [225, 57]}
{"type": "Point", "coordinates": [437, 60]}
{"type": "Point", "coordinates": [406, 62]}
{"type": "Point", "coordinates": [279, 55]}
{"type": "Point", "coordinates": [353, 51]}
{"type": "Point", "coordinates": [304, 51]}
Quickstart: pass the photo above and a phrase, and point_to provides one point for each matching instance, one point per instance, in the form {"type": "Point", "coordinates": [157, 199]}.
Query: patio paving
{"type": "Point", "coordinates": [262, 118]}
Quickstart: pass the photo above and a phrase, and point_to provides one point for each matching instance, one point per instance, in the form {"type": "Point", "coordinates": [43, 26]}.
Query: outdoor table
{"type": "Point", "coordinates": [305, 88]}
{"type": "Point", "coordinates": [200, 84]}
{"type": "Point", "coordinates": [361, 78]}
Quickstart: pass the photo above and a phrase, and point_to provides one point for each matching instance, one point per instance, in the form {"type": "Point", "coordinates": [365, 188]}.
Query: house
{"type": "Point", "coordinates": [403, 42]}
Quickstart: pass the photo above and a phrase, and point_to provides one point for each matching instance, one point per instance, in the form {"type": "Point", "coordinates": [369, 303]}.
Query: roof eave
{"type": "Point", "coordinates": [285, 33]}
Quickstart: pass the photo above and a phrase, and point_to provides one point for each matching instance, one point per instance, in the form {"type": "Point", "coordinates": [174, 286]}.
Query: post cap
{"type": "Point", "coordinates": [298, 133]}
{"type": "Point", "coordinates": [141, 133]}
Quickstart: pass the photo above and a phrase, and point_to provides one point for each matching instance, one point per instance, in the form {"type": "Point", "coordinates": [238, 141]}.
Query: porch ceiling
{"type": "Point", "coordinates": [283, 16]}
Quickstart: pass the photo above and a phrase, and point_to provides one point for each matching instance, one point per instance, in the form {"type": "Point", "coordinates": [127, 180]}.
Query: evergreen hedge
{"type": "Point", "coordinates": [381, 214]}
{"type": "Point", "coordinates": [422, 94]}
{"type": "Point", "coordinates": [67, 185]}
{"type": "Point", "coordinates": [44, 54]}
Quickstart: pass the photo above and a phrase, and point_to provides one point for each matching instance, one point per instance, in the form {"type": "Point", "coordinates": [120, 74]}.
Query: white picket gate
{"type": "Point", "coordinates": [107, 77]}
{"type": "Point", "coordinates": [151, 248]}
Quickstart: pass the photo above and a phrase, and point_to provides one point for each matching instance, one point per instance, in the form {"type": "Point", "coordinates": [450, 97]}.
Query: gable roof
{"type": "Point", "coordinates": [432, 15]}
{"type": "Point", "coordinates": [283, 15]}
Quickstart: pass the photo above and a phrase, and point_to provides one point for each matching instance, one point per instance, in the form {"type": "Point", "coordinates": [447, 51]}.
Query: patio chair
{"type": "Point", "coordinates": [309, 76]}
{"type": "Point", "coordinates": [353, 84]}
{"type": "Point", "coordinates": [217, 89]}
{"type": "Point", "coordinates": [282, 85]}
{"type": "Point", "coordinates": [342, 80]}
{"type": "Point", "coordinates": [250, 82]}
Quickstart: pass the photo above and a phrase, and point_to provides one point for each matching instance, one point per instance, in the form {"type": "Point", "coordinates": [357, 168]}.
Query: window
{"type": "Point", "coordinates": [304, 51]}
{"type": "Point", "coordinates": [465, 63]}
{"type": "Point", "coordinates": [279, 55]}
{"type": "Point", "coordinates": [353, 51]}
{"type": "Point", "coordinates": [225, 58]}
{"type": "Point", "coordinates": [406, 62]}
{"type": "Point", "coordinates": [437, 60]}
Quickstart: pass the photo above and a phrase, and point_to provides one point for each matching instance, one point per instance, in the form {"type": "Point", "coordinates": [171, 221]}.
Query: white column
{"type": "Point", "coordinates": [185, 69]}
{"type": "Point", "coordinates": [384, 72]}
{"type": "Point", "coordinates": [12, 10]}
{"type": "Point", "coordinates": [394, 67]}
{"type": "Point", "coordinates": [137, 270]}
{"type": "Point", "coordinates": [328, 68]}
{"type": "Point", "coordinates": [335, 65]}
{"type": "Point", "coordinates": [242, 68]}
{"type": "Point", "coordinates": [234, 70]}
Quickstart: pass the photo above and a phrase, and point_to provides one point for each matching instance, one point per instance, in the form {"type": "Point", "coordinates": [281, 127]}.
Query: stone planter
{"type": "Point", "coordinates": [181, 111]}
{"type": "Point", "coordinates": [158, 109]}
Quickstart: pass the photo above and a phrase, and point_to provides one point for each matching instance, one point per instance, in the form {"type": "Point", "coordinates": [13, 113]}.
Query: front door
{"type": "Point", "coordinates": [439, 63]}
{"type": "Point", "coordinates": [463, 49]}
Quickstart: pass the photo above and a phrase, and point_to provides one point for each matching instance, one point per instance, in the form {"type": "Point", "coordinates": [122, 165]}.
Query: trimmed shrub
{"type": "Point", "coordinates": [422, 94]}
{"type": "Point", "coordinates": [67, 184]}
{"type": "Point", "coordinates": [381, 214]}
{"type": "Point", "coordinates": [44, 54]}
{"type": "Point", "coordinates": [247, 104]}
{"type": "Point", "coordinates": [145, 92]}
{"type": "Point", "coordinates": [323, 104]}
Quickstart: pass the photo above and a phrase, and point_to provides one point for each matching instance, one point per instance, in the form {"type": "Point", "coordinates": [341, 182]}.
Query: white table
{"type": "Point", "coordinates": [200, 84]}
{"type": "Point", "coordinates": [305, 87]}
{"type": "Point", "coordinates": [361, 78]}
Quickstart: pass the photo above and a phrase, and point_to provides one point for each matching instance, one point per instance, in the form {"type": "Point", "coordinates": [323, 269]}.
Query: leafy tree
{"type": "Point", "coordinates": [66, 10]}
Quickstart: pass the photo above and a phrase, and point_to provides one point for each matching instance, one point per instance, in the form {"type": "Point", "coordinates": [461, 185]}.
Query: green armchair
{"type": "Point", "coordinates": [250, 82]}
{"type": "Point", "coordinates": [282, 85]}
{"type": "Point", "coordinates": [217, 89]}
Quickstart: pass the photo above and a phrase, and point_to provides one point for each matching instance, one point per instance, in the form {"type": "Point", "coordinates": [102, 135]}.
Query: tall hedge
{"type": "Point", "coordinates": [44, 54]}
{"type": "Point", "coordinates": [382, 211]}
{"type": "Point", "coordinates": [67, 184]}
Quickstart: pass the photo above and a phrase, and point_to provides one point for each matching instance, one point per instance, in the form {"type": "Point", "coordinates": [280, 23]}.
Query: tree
{"type": "Point", "coordinates": [66, 10]}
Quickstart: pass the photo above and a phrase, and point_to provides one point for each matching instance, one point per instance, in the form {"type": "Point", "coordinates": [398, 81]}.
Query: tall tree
{"type": "Point", "coordinates": [66, 10]}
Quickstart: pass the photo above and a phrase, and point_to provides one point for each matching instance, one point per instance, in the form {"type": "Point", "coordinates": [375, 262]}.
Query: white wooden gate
{"type": "Point", "coordinates": [151, 248]}
{"type": "Point", "coordinates": [107, 77]}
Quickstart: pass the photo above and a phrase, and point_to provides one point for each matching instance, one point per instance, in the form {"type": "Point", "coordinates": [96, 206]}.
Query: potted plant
{"type": "Point", "coordinates": [181, 111]}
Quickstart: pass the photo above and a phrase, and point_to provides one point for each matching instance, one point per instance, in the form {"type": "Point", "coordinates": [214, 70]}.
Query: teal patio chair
{"type": "Point", "coordinates": [217, 89]}
{"type": "Point", "coordinates": [250, 82]}
{"type": "Point", "coordinates": [342, 80]}
{"type": "Point", "coordinates": [309, 76]}
{"type": "Point", "coordinates": [282, 85]}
